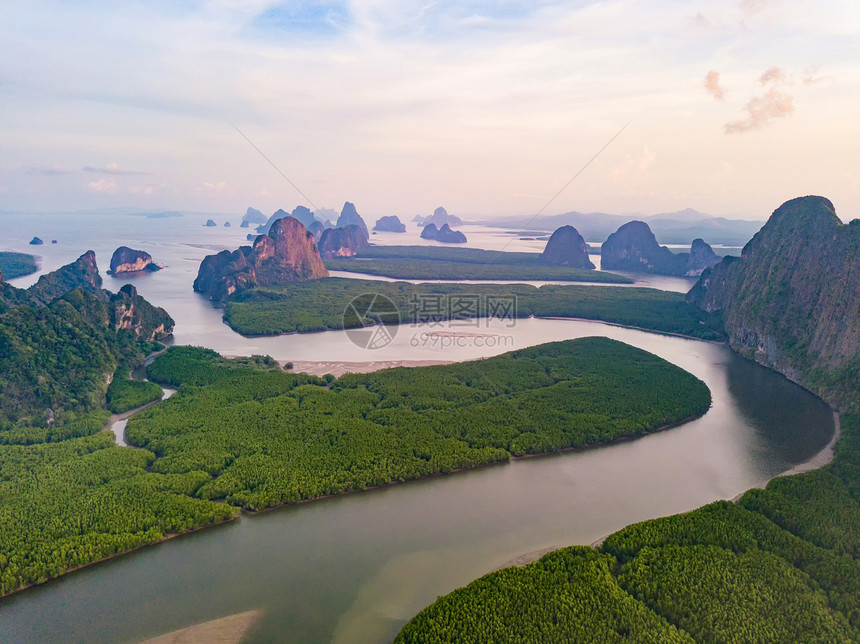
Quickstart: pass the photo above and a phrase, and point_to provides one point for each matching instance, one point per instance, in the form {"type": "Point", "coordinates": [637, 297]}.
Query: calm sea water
{"type": "Point", "coordinates": [356, 568]}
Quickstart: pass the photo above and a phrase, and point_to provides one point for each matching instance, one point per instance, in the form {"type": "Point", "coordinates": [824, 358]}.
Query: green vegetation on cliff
{"type": "Point", "coordinates": [268, 437]}
{"type": "Point", "coordinates": [68, 495]}
{"type": "Point", "coordinates": [16, 264]}
{"type": "Point", "coordinates": [319, 305]}
{"type": "Point", "coordinates": [57, 360]}
{"type": "Point", "coordinates": [792, 300]}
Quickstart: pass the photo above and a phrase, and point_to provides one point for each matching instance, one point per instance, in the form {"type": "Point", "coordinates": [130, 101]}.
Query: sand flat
{"type": "Point", "coordinates": [225, 630]}
{"type": "Point", "coordinates": [337, 369]}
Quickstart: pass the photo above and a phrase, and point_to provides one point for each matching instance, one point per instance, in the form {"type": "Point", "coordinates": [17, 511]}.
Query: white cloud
{"type": "Point", "coordinates": [108, 186]}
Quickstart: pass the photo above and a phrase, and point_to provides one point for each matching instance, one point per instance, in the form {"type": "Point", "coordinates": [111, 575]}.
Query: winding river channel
{"type": "Point", "coordinates": [357, 567]}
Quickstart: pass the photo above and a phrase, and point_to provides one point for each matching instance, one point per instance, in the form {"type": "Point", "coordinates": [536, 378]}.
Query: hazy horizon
{"type": "Point", "coordinates": [485, 108]}
{"type": "Point", "coordinates": [370, 218]}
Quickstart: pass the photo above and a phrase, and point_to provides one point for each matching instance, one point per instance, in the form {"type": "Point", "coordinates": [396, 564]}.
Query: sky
{"type": "Point", "coordinates": [485, 107]}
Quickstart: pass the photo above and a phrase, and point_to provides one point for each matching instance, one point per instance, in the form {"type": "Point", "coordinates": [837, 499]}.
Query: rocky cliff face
{"type": "Point", "coordinates": [701, 256]}
{"type": "Point", "coordinates": [566, 247]}
{"type": "Point", "coordinates": [633, 247]}
{"type": "Point", "coordinates": [792, 300]}
{"type": "Point", "coordinates": [391, 224]}
{"type": "Point", "coordinates": [127, 260]}
{"type": "Point", "coordinates": [130, 312]}
{"type": "Point", "coordinates": [342, 242]}
{"type": "Point", "coordinates": [439, 218]}
{"type": "Point", "coordinates": [301, 213]}
{"type": "Point", "coordinates": [316, 229]}
{"type": "Point", "coordinates": [288, 253]}
{"type": "Point", "coordinates": [253, 216]}
{"type": "Point", "coordinates": [444, 234]}
{"type": "Point", "coordinates": [349, 216]}
{"type": "Point", "coordinates": [83, 273]}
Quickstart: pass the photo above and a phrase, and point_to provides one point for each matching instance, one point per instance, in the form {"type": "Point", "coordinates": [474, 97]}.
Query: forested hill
{"type": "Point", "coordinates": [792, 300]}
{"type": "Point", "coordinates": [61, 340]}
{"type": "Point", "coordinates": [69, 495]}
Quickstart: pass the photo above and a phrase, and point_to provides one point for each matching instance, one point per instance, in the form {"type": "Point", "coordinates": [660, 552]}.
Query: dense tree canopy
{"type": "Point", "coordinates": [271, 437]}
{"type": "Point", "coordinates": [319, 304]}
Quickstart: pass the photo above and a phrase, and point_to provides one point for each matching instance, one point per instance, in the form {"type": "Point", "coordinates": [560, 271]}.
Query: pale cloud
{"type": "Point", "coordinates": [107, 186]}
{"type": "Point", "coordinates": [761, 110]}
{"type": "Point", "coordinates": [751, 7]}
{"type": "Point", "coordinates": [712, 85]}
{"type": "Point", "coordinates": [394, 104]}
{"type": "Point", "coordinates": [811, 76]}
{"type": "Point", "coordinates": [147, 190]}
{"type": "Point", "coordinates": [775, 75]}
{"type": "Point", "coordinates": [112, 168]}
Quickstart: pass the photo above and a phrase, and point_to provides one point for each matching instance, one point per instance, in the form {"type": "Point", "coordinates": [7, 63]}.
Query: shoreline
{"type": "Point", "coordinates": [561, 281]}
{"type": "Point", "coordinates": [117, 555]}
{"type": "Point", "coordinates": [479, 466]}
{"type": "Point", "coordinates": [524, 317]}
{"type": "Point", "coordinates": [820, 459]}
{"type": "Point", "coordinates": [629, 326]}
{"type": "Point", "coordinates": [231, 629]}
{"type": "Point", "coordinates": [281, 506]}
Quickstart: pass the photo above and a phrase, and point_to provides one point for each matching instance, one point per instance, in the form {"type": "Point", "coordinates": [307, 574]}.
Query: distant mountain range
{"type": "Point", "coordinates": [680, 227]}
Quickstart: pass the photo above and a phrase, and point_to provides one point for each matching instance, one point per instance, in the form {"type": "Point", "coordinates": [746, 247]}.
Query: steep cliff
{"type": "Point", "coordinates": [316, 229]}
{"type": "Point", "coordinates": [390, 224]}
{"type": "Point", "coordinates": [128, 260]}
{"type": "Point", "coordinates": [633, 247]}
{"type": "Point", "coordinates": [58, 348]}
{"type": "Point", "coordinates": [301, 213]}
{"type": "Point", "coordinates": [253, 216]}
{"type": "Point", "coordinates": [444, 234]}
{"type": "Point", "coordinates": [792, 300]}
{"type": "Point", "coordinates": [288, 253]}
{"type": "Point", "coordinates": [83, 273]}
{"type": "Point", "coordinates": [342, 242]}
{"type": "Point", "coordinates": [701, 256]}
{"type": "Point", "coordinates": [349, 216]}
{"type": "Point", "coordinates": [566, 247]}
{"type": "Point", "coordinates": [130, 312]}
{"type": "Point", "coordinates": [439, 218]}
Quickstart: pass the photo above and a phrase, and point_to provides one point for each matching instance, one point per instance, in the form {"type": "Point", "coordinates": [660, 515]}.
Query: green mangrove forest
{"type": "Point", "coordinates": [319, 305]}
